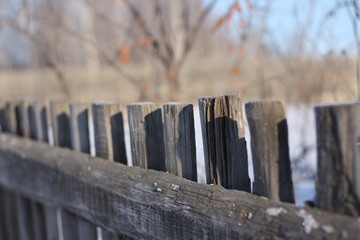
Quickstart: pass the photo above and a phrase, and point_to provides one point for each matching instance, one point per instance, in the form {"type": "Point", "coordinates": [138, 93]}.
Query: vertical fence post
{"type": "Point", "coordinates": [270, 150]}
{"type": "Point", "coordinates": [35, 128]}
{"type": "Point", "coordinates": [60, 119]}
{"type": "Point", "coordinates": [9, 125]}
{"type": "Point", "coordinates": [44, 217]}
{"type": "Point", "coordinates": [109, 141]}
{"type": "Point", "coordinates": [80, 139]}
{"type": "Point", "coordinates": [224, 141]}
{"type": "Point", "coordinates": [338, 149]}
{"type": "Point", "coordinates": [109, 131]}
{"type": "Point", "coordinates": [147, 144]}
{"type": "Point", "coordinates": [179, 138]}
{"type": "Point", "coordinates": [24, 205]}
{"type": "Point", "coordinates": [146, 135]}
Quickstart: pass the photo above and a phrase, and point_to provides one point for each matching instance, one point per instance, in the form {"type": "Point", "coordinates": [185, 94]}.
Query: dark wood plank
{"type": "Point", "coordinates": [146, 135]}
{"type": "Point", "coordinates": [270, 150]}
{"type": "Point", "coordinates": [60, 122]}
{"type": "Point", "coordinates": [179, 138]}
{"type": "Point", "coordinates": [38, 120]}
{"type": "Point", "coordinates": [44, 219]}
{"type": "Point", "coordinates": [24, 218]}
{"type": "Point", "coordinates": [338, 141]}
{"type": "Point", "coordinates": [152, 204]}
{"type": "Point", "coordinates": [224, 141]}
{"type": "Point", "coordinates": [2, 215]}
{"type": "Point", "coordinates": [11, 221]}
{"type": "Point", "coordinates": [109, 131]}
{"type": "Point", "coordinates": [24, 117]}
{"type": "Point", "coordinates": [80, 139]}
{"type": "Point", "coordinates": [109, 140]}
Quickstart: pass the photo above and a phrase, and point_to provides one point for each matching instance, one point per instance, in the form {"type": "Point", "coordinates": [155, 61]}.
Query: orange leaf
{"type": "Point", "coordinates": [125, 49]}
{"type": "Point", "coordinates": [170, 75]}
{"type": "Point", "coordinates": [124, 59]}
{"type": "Point", "coordinates": [235, 72]}
{"type": "Point", "coordinates": [241, 52]}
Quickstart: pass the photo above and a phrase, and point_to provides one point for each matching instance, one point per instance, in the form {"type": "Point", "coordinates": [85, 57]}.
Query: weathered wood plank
{"type": "Point", "coordinates": [179, 138]}
{"type": "Point", "coordinates": [38, 120]}
{"type": "Point", "coordinates": [146, 135]}
{"type": "Point", "coordinates": [151, 204]}
{"type": "Point", "coordinates": [109, 140]}
{"type": "Point", "coordinates": [24, 117]}
{"type": "Point", "coordinates": [338, 148]}
{"type": "Point", "coordinates": [60, 122]}
{"type": "Point", "coordinates": [24, 218]}
{"type": "Point", "coordinates": [43, 227]}
{"type": "Point", "coordinates": [224, 141]}
{"type": "Point", "coordinates": [80, 139]}
{"type": "Point", "coordinates": [270, 150]}
{"type": "Point", "coordinates": [38, 220]}
{"type": "Point", "coordinates": [11, 222]}
{"type": "Point", "coordinates": [109, 131]}
{"type": "Point", "coordinates": [2, 215]}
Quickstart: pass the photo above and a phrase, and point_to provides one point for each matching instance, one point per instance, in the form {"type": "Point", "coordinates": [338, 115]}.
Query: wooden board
{"type": "Point", "coordinates": [151, 204]}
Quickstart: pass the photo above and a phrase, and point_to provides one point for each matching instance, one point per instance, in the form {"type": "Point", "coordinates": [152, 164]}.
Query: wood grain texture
{"type": "Point", "coordinates": [179, 138]}
{"type": "Point", "coordinates": [109, 131]}
{"type": "Point", "coordinates": [38, 124]}
{"type": "Point", "coordinates": [109, 140]}
{"type": "Point", "coordinates": [60, 122]}
{"type": "Point", "coordinates": [2, 215]}
{"type": "Point", "coordinates": [38, 119]}
{"type": "Point", "coordinates": [338, 149]}
{"type": "Point", "coordinates": [128, 200]}
{"type": "Point", "coordinates": [80, 139]}
{"type": "Point", "coordinates": [25, 111]}
{"type": "Point", "coordinates": [270, 150]}
{"type": "Point", "coordinates": [146, 135]}
{"type": "Point", "coordinates": [224, 141]}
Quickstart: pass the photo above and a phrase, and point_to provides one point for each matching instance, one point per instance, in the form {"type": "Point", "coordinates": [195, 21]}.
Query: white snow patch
{"type": "Point", "coordinates": [174, 187]}
{"type": "Point", "coordinates": [250, 215]}
{"type": "Point", "coordinates": [275, 211]}
{"type": "Point", "coordinates": [309, 222]}
{"type": "Point", "coordinates": [327, 228]}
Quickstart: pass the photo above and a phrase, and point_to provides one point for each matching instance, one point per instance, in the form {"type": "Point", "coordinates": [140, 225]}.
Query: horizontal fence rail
{"type": "Point", "coordinates": [61, 192]}
{"type": "Point", "coordinates": [150, 204]}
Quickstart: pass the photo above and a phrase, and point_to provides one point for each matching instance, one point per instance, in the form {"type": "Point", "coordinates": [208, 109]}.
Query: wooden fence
{"type": "Point", "coordinates": [61, 192]}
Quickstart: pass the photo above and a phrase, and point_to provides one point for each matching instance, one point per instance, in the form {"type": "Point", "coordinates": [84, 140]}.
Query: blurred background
{"type": "Point", "coordinates": [301, 52]}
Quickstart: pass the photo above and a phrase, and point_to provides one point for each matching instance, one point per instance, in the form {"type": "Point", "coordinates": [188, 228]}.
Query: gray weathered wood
{"type": "Point", "coordinates": [24, 218]}
{"type": "Point", "coordinates": [80, 139]}
{"type": "Point", "coordinates": [109, 140]}
{"type": "Point", "coordinates": [109, 131]}
{"type": "Point", "coordinates": [146, 135]}
{"type": "Point", "coordinates": [38, 220]}
{"type": "Point", "coordinates": [152, 204]}
{"type": "Point", "coordinates": [43, 226]}
{"type": "Point", "coordinates": [224, 141]}
{"type": "Point", "coordinates": [11, 222]}
{"type": "Point", "coordinates": [2, 215]}
{"type": "Point", "coordinates": [24, 117]}
{"type": "Point", "coordinates": [79, 127]}
{"type": "Point", "coordinates": [179, 138]}
{"type": "Point", "coordinates": [270, 150]}
{"type": "Point", "coordinates": [8, 117]}
{"type": "Point", "coordinates": [60, 122]}
{"type": "Point", "coordinates": [38, 120]}
{"type": "Point", "coordinates": [338, 149]}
